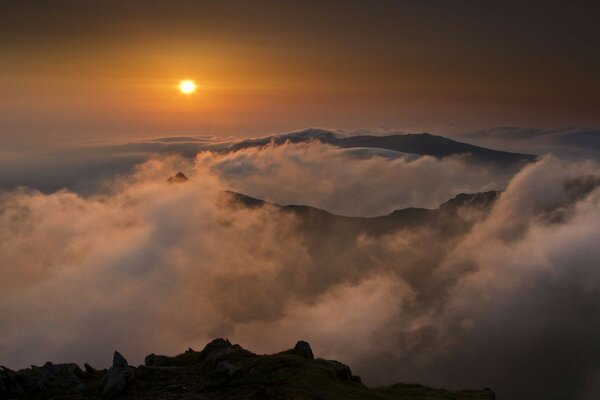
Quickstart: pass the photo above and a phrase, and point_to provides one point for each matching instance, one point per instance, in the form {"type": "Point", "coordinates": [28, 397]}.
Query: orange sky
{"type": "Point", "coordinates": [81, 70]}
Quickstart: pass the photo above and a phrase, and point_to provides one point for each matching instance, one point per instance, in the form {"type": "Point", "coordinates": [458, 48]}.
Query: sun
{"type": "Point", "coordinates": [187, 86]}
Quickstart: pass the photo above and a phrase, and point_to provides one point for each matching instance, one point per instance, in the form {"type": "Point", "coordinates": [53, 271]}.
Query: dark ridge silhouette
{"type": "Point", "coordinates": [220, 371]}
{"type": "Point", "coordinates": [419, 143]}
{"type": "Point", "coordinates": [446, 217]}
{"type": "Point", "coordinates": [178, 178]}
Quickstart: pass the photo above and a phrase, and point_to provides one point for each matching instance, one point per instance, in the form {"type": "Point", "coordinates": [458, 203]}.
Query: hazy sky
{"type": "Point", "coordinates": [78, 70]}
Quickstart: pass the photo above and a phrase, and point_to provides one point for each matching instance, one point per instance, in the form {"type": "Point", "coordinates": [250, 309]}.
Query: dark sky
{"type": "Point", "coordinates": [106, 69]}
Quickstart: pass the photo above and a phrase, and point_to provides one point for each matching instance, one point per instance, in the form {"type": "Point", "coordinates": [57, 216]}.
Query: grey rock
{"type": "Point", "coordinates": [216, 344]}
{"type": "Point", "coordinates": [156, 361]}
{"type": "Point", "coordinates": [231, 369]}
{"type": "Point", "coordinates": [89, 369]}
{"type": "Point", "coordinates": [78, 389]}
{"type": "Point", "coordinates": [119, 360]}
{"type": "Point", "coordinates": [303, 349]}
{"type": "Point", "coordinates": [42, 388]}
{"type": "Point", "coordinates": [9, 385]}
{"type": "Point", "coordinates": [66, 380]}
{"type": "Point", "coordinates": [118, 380]}
{"type": "Point", "coordinates": [342, 371]}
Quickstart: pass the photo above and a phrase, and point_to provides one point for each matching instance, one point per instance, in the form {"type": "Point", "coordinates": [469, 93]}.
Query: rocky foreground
{"type": "Point", "coordinates": [220, 371]}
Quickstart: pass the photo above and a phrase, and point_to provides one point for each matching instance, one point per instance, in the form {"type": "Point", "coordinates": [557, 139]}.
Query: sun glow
{"type": "Point", "coordinates": [187, 86]}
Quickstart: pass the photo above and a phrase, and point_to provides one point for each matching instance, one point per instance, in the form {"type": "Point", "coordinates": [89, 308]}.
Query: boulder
{"type": "Point", "coordinates": [216, 344]}
{"type": "Point", "coordinates": [152, 360]}
{"type": "Point", "coordinates": [303, 349]}
{"type": "Point", "coordinates": [89, 369]}
{"type": "Point", "coordinates": [231, 369]}
{"type": "Point", "coordinates": [9, 385]}
{"type": "Point", "coordinates": [118, 380]}
{"type": "Point", "coordinates": [342, 371]}
{"type": "Point", "coordinates": [119, 360]}
{"type": "Point", "coordinates": [118, 377]}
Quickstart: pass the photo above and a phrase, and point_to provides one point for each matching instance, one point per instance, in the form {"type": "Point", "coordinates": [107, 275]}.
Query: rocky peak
{"type": "Point", "coordinates": [178, 178]}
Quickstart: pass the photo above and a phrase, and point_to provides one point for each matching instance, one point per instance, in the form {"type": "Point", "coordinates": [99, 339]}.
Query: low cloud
{"type": "Point", "coordinates": [332, 179]}
{"type": "Point", "coordinates": [568, 143]}
{"type": "Point", "coordinates": [512, 303]}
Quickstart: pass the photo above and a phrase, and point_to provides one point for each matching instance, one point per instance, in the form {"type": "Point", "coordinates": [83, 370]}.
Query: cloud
{"type": "Point", "coordinates": [329, 178]}
{"type": "Point", "coordinates": [512, 303]}
{"type": "Point", "coordinates": [569, 143]}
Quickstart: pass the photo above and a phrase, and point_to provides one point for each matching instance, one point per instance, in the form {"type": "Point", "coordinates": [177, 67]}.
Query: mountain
{"type": "Point", "coordinates": [450, 217]}
{"type": "Point", "coordinates": [419, 143]}
{"type": "Point", "coordinates": [220, 371]}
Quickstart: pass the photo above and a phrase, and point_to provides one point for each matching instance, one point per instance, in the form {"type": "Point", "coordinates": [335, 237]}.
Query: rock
{"type": "Point", "coordinates": [118, 377]}
{"type": "Point", "coordinates": [89, 369]}
{"type": "Point", "coordinates": [231, 369]}
{"type": "Point", "coordinates": [42, 388]}
{"type": "Point", "coordinates": [303, 349]}
{"type": "Point", "coordinates": [9, 385]}
{"type": "Point", "coordinates": [66, 380]}
{"type": "Point", "coordinates": [152, 360]}
{"type": "Point", "coordinates": [119, 360]}
{"type": "Point", "coordinates": [74, 369]}
{"type": "Point", "coordinates": [78, 389]}
{"type": "Point", "coordinates": [118, 380]}
{"type": "Point", "coordinates": [178, 178]}
{"type": "Point", "coordinates": [216, 344]}
{"type": "Point", "coordinates": [215, 348]}
{"type": "Point", "coordinates": [342, 371]}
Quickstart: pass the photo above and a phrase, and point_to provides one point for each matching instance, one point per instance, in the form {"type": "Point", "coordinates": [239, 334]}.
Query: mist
{"type": "Point", "coordinates": [147, 266]}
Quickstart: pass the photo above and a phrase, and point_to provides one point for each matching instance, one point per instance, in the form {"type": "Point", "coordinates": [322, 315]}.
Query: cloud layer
{"type": "Point", "coordinates": [150, 267]}
{"type": "Point", "coordinates": [336, 180]}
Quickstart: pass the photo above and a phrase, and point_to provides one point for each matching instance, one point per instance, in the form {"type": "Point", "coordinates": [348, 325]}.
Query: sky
{"type": "Point", "coordinates": [83, 70]}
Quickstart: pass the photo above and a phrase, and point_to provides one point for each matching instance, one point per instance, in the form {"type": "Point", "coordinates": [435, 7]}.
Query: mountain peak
{"type": "Point", "coordinates": [178, 178]}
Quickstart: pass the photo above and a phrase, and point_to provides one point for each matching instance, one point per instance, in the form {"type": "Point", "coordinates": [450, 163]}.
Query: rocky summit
{"type": "Point", "coordinates": [220, 371]}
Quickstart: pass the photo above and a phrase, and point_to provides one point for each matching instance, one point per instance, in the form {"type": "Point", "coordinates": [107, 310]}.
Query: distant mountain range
{"type": "Point", "coordinates": [219, 371]}
{"type": "Point", "coordinates": [447, 217]}
{"type": "Point", "coordinates": [82, 169]}
{"type": "Point", "coordinates": [418, 143]}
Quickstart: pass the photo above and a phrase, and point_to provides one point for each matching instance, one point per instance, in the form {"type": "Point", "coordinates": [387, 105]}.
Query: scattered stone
{"type": "Point", "coordinates": [303, 349]}
{"type": "Point", "coordinates": [220, 370]}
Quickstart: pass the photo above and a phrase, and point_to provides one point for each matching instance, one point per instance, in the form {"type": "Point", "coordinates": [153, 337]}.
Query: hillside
{"type": "Point", "coordinates": [220, 371]}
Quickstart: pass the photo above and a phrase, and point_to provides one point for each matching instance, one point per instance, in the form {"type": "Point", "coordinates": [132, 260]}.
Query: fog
{"type": "Point", "coordinates": [146, 266]}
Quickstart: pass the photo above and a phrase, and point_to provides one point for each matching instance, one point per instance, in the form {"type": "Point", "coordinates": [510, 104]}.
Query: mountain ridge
{"type": "Point", "coordinates": [414, 143]}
